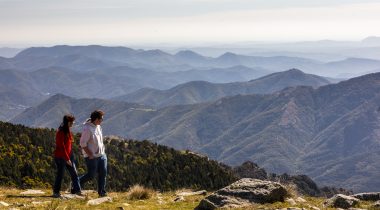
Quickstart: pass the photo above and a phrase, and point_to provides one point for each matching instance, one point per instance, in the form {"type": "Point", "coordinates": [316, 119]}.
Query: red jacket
{"type": "Point", "coordinates": [63, 144]}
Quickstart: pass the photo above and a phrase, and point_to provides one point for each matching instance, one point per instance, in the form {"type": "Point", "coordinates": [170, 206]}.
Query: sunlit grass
{"type": "Point", "coordinates": [119, 199]}
{"type": "Point", "coordinates": [123, 200]}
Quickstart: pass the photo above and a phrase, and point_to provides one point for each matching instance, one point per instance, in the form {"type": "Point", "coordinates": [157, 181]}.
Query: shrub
{"type": "Point", "coordinates": [138, 192]}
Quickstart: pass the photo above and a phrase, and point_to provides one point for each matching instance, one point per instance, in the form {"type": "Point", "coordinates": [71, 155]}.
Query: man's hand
{"type": "Point", "coordinates": [88, 152]}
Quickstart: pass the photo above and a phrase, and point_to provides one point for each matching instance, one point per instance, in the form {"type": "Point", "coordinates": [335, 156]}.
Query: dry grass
{"type": "Point", "coordinates": [292, 190]}
{"type": "Point", "coordinates": [123, 200]}
{"type": "Point", "coordinates": [138, 192]}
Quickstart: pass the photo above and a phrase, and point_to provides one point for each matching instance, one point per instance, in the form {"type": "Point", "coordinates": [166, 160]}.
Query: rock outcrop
{"type": "Point", "coordinates": [341, 201]}
{"type": "Point", "coordinates": [370, 196]}
{"type": "Point", "coordinates": [376, 205]}
{"type": "Point", "coordinates": [243, 193]}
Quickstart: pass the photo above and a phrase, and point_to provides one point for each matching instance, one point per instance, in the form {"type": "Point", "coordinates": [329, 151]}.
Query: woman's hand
{"type": "Point", "coordinates": [69, 163]}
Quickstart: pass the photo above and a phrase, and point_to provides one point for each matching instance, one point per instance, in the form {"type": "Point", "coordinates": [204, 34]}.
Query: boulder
{"type": "Point", "coordinates": [376, 205]}
{"type": "Point", "coordinates": [341, 201]}
{"type": "Point", "coordinates": [243, 193]}
{"type": "Point", "coordinates": [370, 196]}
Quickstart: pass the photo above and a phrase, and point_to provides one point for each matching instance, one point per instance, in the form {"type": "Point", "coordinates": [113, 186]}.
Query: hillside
{"type": "Point", "coordinates": [20, 90]}
{"type": "Point", "coordinates": [202, 91]}
{"type": "Point", "coordinates": [59, 105]}
{"type": "Point", "coordinates": [298, 130]}
{"type": "Point", "coordinates": [17, 92]}
{"type": "Point", "coordinates": [26, 161]}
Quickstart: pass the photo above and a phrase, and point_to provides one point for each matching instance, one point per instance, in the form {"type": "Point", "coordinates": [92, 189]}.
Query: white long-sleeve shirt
{"type": "Point", "coordinates": [92, 138]}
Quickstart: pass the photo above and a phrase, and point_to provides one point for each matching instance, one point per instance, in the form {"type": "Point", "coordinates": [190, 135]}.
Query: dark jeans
{"type": "Point", "coordinates": [61, 165]}
{"type": "Point", "coordinates": [96, 165]}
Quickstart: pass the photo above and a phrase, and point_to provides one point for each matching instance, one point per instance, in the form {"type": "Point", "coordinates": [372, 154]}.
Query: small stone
{"type": "Point", "coordinates": [87, 191]}
{"type": "Point", "coordinates": [301, 200]}
{"type": "Point", "coordinates": [179, 198]}
{"type": "Point", "coordinates": [2, 203]}
{"type": "Point", "coordinates": [32, 192]}
{"type": "Point", "coordinates": [126, 204]}
{"type": "Point", "coordinates": [19, 204]}
{"type": "Point", "coordinates": [98, 201]}
{"type": "Point", "coordinates": [291, 201]}
{"type": "Point", "coordinates": [72, 196]}
{"type": "Point", "coordinates": [39, 203]}
{"type": "Point", "coordinates": [160, 202]}
{"type": "Point", "coordinates": [201, 192]}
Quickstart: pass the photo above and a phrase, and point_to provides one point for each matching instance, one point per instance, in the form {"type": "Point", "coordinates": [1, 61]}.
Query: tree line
{"type": "Point", "coordinates": [26, 160]}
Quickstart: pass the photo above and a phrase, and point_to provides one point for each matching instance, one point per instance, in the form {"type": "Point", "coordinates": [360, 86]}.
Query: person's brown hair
{"type": "Point", "coordinates": [65, 123]}
{"type": "Point", "coordinates": [97, 114]}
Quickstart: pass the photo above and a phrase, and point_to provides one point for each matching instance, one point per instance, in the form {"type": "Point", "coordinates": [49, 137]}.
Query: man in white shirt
{"type": "Point", "coordinates": [93, 151]}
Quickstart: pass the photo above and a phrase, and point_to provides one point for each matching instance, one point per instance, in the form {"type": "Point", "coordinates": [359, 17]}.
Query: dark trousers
{"type": "Point", "coordinates": [61, 165]}
{"type": "Point", "coordinates": [96, 165]}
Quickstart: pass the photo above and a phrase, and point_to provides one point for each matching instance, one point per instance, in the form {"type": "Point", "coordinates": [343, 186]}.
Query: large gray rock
{"type": "Point", "coordinates": [376, 205]}
{"type": "Point", "coordinates": [370, 196]}
{"type": "Point", "coordinates": [341, 201]}
{"type": "Point", "coordinates": [243, 193]}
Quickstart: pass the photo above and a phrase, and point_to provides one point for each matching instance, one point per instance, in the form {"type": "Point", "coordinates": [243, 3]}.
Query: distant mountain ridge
{"type": "Point", "coordinates": [95, 57]}
{"type": "Point", "coordinates": [202, 91]}
{"type": "Point", "coordinates": [327, 133]}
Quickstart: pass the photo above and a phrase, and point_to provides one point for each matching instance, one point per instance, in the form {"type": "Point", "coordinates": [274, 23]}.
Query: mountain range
{"type": "Point", "coordinates": [330, 133]}
{"type": "Point", "coordinates": [202, 91]}
{"type": "Point", "coordinates": [94, 57]}
{"type": "Point", "coordinates": [19, 89]}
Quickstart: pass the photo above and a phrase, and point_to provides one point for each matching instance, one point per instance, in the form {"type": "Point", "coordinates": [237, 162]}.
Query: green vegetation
{"type": "Point", "coordinates": [26, 160]}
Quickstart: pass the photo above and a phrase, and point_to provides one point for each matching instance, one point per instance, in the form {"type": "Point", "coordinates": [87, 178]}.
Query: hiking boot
{"type": "Point", "coordinates": [102, 195]}
{"type": "Point", "coordinates": [56, 195]}
{"type": "Point", "coordinates": [79, 193]}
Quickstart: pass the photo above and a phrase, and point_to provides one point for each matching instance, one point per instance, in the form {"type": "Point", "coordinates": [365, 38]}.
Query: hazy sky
{"type": "Point", "coordinates": [121, 22]}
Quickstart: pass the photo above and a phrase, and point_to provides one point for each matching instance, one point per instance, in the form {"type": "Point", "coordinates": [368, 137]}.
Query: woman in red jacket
{"type": "Point", "coordinates": [64, 157]}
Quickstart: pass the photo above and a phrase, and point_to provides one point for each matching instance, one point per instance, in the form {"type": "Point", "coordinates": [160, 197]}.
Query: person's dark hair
{"type": "Point", "coordinates": [65, 123]}
{"type": "Point", "coordinates": [97, 114]}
